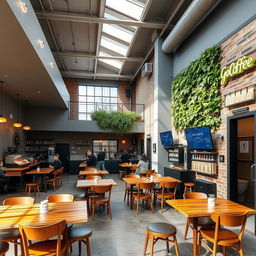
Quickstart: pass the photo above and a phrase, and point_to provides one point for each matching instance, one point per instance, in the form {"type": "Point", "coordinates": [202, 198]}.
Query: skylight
{"type": "Point", "coordinates": [118, 32]}
{"type": "Point", "coordinates": [115, 63]}
{"type": "Point", "coordinates": [113, 45]}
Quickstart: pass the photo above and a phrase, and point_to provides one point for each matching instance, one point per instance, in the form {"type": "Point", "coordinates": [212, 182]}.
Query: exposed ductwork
{"type": "Point", "coordinates": [195, 13]}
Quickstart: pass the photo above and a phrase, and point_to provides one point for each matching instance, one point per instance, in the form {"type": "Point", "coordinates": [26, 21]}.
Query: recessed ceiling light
{"type": "Point", "coordinates": [23, 7]}
{"type": "Point", "coordinates": [51, 64]}
{"type": "Point", "coordinates": [38, 92]}
{"type": "Point", "coordinates": [41, 43]}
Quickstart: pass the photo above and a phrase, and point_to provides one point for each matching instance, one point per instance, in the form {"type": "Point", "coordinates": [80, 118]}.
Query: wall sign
{"type": "Point", "coordinates": [236, 68]}
{"type": "Point", "coordinates": [245, 149]}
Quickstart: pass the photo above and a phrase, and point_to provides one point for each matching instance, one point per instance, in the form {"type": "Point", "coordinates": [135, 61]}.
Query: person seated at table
{"type": "Point", "coordinates": [142, 164]}
{"type": "Point", "coordinates": [125, 157]}
{"type": "Point", "coordinates": [3, 181]}
{"type": "Point", "coordinates": [57, 164]}
{"type": "Point", "coordinates": [101, 159]}
{"type": "Point", "coordinates": [91, 159]}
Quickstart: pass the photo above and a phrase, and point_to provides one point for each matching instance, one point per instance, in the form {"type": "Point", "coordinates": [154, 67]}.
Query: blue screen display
{"type": "Point", "coordinates": [199, 138]}
{"type": "Point", "coordinates": [166, 138]}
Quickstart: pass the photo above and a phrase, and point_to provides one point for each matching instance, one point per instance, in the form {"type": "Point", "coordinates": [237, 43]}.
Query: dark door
{"type": "Point", "coordinates": [64, 152]}
{"type": "Point", "coordinates": [149, 152]}
{"type": "Point", "coordinates": [142, 147]}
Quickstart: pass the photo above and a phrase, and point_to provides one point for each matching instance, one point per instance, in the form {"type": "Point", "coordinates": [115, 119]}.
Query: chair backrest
{"type": "Point", "coordinates": [132, 176]}
{"type": "Point", "coordinates": [146, 186]}
{"type": "Point", "coordinates": [60, 171]}
{"type": "Point", "coordinates": [156, 175]}
{"type": "Point", "coordinates": [195, 195]}
{"type": "Point", "coordinates": [19, 200]}
{"type": "Point", "coordinates": [56, 173]}
{"type": "Point", "coordinates": [42, 233]}
{"type": "Point", "coordinates": [101, 190]}
{"type": "Point", "coordinates": [149, 172]}
{"type": "Point", "coordinates": [170, 185]}
{"type": "Point", "coordinates": [91, 167]}
{"type": "Point", "coordinates": [59, 198]}
{"type": "Point", "coordinates": [92, 177]}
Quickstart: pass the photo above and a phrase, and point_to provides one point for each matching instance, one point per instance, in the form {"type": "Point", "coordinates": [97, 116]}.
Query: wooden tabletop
{"type": "Point", "coordinates": [91, 172]}
{"type": "Point", "coordinates": [12, 215]}
{"type": "Point", "coordinates": [91, 183]}
{"type": "Point", "coordinates": [200, 208]}
{"type": "Point", "coordinates": [165, 179]}
{"type": "Point", "coordinates": [126, 165]}
{"type": "Point", "coordinates": [134, 181]}
{"type": "Point", "coordinates": [82, 165]}
{"type": "Point", "coordinates": [19, 168]}
{"type": "Point", "coordinates": [47, 170]}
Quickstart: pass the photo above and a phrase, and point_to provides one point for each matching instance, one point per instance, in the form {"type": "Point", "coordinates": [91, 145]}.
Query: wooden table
{"type": "Point", "coordinates": [91, 183]}
{"type": "Point", "coordinates": [43, 173]}
{"type": "Point", "coordinates": [93, 172]}
{"type": "Point", "coordinates": [72, 212]}
{"type": "Point", "coordinates": [194, 208]}
{"type": "Point", "coordinates": [126, 165]}
{"type": "Point", "coordinates": [82, 165]}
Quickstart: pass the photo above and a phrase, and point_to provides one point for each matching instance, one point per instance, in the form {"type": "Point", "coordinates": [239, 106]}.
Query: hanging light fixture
{"type": "Point", "coordinates": [26, 127]}
{"type": "Point", "coordinates": [2, 119]}
{"type": "Point", "coordinates": [17, 124]}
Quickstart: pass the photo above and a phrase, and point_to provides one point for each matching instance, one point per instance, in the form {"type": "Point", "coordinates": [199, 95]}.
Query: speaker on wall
{"type": "Point", "coordinates": [128, 92]}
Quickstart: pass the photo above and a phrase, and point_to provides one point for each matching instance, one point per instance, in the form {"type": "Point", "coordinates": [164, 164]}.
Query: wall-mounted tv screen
{"type": "Point", "coordinates": [199, 138]}
{"type": "Point", "coordinates": [166, 138]}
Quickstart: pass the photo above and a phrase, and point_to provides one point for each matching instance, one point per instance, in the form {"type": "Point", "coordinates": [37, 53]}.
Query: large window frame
{"type": "Point", "coordinates": [96, 97]}
{"type": "Point", "coordinates": [110, 145]}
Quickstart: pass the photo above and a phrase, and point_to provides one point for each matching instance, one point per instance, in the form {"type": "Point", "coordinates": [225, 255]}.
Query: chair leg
{"type": "Point", "coordinates": [167, 245]}
{"type": "Point", "coordinates": [109, 210]}
{"type": "Point", "coordinates": [186, 229]}
{"type": "Point", "coordinates": [88, 247]}
{"type": "Point", "coordinates": [79, 248]}
{"type": "Point", "coordinates": [15, 249]}
{"type": "Point", "coordinates": [38, 189]}
{"type": "Point", "coordinates": [223, 250]}
{"type": "Point", "coordinates": [151, 204]}
{"type": "Point", "coordinates": [152, 246]}
{"type": "Point", "coordinates": [176, 245]}
{"type": "Point", "coordinates": [214, 249]}
{"type": "Point", "coordinates": [29, 191]}
{"type": "Point", "coordinates": [125, 195]}
{"type": "Point", "coordinates": [162, 205]}
{"type": "Point", "coordinates": [138, 204]}
{"type": "Point", "coordinates": [146, 244]}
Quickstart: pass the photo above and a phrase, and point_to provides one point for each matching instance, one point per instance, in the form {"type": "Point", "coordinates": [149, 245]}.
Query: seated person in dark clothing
{"type": "Point", "coordinates": [101, 159]}
{"type": "Point", "coordinates": [91, 159]}
{"type": "Point", "coordinates": [125, 157]}
{"type": "Point", "coordinates": [56, 163]}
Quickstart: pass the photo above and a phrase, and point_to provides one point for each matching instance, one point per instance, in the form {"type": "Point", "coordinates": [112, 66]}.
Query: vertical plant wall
{"type": "Point", "coordinates": [196, 99]}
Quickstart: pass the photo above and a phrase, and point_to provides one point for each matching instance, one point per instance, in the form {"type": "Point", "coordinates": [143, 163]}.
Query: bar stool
{"type": "Point", "coordinates": [163, 231]}
{"type": "Point", "coordinates": [188, 187]}
{"type": "Point", "coordinates": [30, 186]}
{"type": "Point", "coordinates": [4, 247]}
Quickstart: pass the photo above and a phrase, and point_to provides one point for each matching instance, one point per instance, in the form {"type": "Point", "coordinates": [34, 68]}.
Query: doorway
{"type": "Point", "coordinates": [149, 152]}
{"type": "Point", "coordinates": [63, 150]}
{"type": "Point", "coordinates": [241, 160]}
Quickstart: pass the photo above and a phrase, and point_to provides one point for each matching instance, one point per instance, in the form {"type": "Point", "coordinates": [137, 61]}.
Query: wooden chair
{"type": "Point", "coordinates": [4, 247]}
{"type": "Point", "coordinates": [127, 191]}
{"type": "Point", "coordinates": [202, 221]}
{"type": "Point", "coordinates": [60, 198]}
{"type": "Point", "coordinates": [162, 231]}
{"type": "Point", "coordinates": [144, 193]}
{"type": "Point", "coordinates": [59, 177]}
{"type": "Point", "coordinates": [122, 174]}
{"type": "Point", "coordinates": [147, 173]}
{"type": "Point", "coordinates": [13, 235]}
{"type": "Point", "coordinates": [156, 175]}
{"type": "Point", "coordinates": [224, 237]}
{"type": "Point", "coordinates": [53, 181]}
{"type": "Point", "coordinates": [93, 176]}
{"type": "Point", "coordinates": [96, 200]}
{"type": "Point", "coordinates": [163, 195]}
{"type": "Point", "coordinates": [30, 186]}
{"type": "Point", "coordinates": [42, 234]}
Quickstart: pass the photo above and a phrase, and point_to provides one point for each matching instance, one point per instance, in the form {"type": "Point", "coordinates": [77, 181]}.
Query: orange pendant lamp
{"type": "Point", "coordinates": [2, 118]}
{"type": "Point", "coordinates": [17, 124]}
{"type": "Point", "coordinates": [26, 127]}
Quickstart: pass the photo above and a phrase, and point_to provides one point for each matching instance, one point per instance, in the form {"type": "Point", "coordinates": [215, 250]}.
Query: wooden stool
{"type": "Point", "coordinates": [34, 186]}
{"type": "Point", "coordinates": [163, 231]}
{"type": "Point", "coordinates": [122, 174]}
{"type": "Point", "coordinates": [188, 187]}
{"type": "Point", "coordinates": [4, 247]}
{"type": "Point", "coordinates": [80, 234]}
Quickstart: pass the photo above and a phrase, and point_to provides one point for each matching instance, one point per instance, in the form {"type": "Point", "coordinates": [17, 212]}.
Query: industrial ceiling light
{"type": "Point", "coordinates": [17, 124]}
{"type": "Point", "coordinates": [27, 127]}
{"type": "Point", "coordinates": [41, 43]}
{"type": "Point", "coordinates": [51, 64]}
{"type": "Point", "coordinates": [23, 7]}
{"type": "Point", "coordinates": [2, 119]}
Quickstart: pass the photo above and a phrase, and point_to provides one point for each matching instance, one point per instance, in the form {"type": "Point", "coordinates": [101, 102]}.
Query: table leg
{"type": "Point", "coordinates": [131, 198]}
{"type": "Point", "coordinates": [195, 228]}
{"type": "Point", "coordinates": [44, 183]}
{"type": "Point", "coordinates": [34, 178]}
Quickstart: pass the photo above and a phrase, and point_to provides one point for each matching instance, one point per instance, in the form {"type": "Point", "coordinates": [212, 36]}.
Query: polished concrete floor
{"type": "Point", "coordinates": [124, 235]}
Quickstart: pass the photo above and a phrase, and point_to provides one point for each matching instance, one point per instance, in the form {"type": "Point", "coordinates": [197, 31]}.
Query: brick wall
{"type": "Point", "coordinates": [122, 98]}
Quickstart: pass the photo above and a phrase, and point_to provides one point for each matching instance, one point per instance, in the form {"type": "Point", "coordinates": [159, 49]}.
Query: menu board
{"type": "Point", "coordinates": [199, 138]}
{"type": "Point", "coordinates": [166, 138]}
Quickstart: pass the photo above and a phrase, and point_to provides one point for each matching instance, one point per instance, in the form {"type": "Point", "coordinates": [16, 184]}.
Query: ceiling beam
{"type": "Point", "coordinates": [82, 18]}
{"type": "Point", "coordinates": [82, 74]}
{"type": "Point", "coordinates": [93, 56]}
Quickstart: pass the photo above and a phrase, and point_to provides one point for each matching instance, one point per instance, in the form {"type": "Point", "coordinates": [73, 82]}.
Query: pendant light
{"type": "Point", "coordinates": [2, 119]}
{"type": "Point", "coordinates": [27, 127]}
{"type": "Point", "coordinates": [17, 124]}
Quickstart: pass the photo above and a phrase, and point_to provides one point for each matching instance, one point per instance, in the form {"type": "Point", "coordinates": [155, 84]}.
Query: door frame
{"type": "Point", "coordinates": [149, 146]}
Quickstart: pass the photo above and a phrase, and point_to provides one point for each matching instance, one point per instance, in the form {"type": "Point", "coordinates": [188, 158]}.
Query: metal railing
{"type": "Point", "coordinates": [82, 110]}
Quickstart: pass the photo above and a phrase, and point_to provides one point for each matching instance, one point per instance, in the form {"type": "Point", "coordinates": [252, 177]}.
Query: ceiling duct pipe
{"type": "Point", "coordinates": [195, 13]}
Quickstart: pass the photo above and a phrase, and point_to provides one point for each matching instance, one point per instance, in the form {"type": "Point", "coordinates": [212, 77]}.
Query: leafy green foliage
{"type": "Point", "coordinates": [119, 122]}
{"type": "Point", "coordinates": [195, 92]}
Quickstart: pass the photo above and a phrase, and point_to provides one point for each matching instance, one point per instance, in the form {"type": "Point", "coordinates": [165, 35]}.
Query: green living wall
{"type": "Point", "coordinates": [196, 99]}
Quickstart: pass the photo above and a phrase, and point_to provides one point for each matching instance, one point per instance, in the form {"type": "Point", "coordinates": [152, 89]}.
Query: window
{"type": "Point", "coordinates": [110, 146]}
{"type": "Point", "coordinates": [92, 98]}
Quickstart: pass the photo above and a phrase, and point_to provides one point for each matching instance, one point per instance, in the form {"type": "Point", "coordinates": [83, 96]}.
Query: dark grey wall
{"type": "Point", "coordinates": [6, 129]}
{"type": "Point", "coordinates": [54, 119]}
{"type": "Point", "coordinates": [226, 18]}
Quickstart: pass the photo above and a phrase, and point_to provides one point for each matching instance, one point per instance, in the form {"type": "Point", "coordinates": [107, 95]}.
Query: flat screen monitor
{"type": "Point", "coordinates": [166, 138]}
{"type": "Point", "coordinates": [199, 138]}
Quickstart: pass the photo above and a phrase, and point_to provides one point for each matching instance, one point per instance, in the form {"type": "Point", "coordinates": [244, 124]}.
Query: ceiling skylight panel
{"type": "Point", "coordinates": [114, 63]}
{"type": "Point", "coordinates": [113, 46]}
{"type": "Point", "coordinates": [117, 32]}
{"type": "Point", "coordinates": [126, 7]}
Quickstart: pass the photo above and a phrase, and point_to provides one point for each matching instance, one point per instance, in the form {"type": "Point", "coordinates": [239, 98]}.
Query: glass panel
{"type": "Point", "coordinates": [89, 117]}
{"type": "Point", "coordinates": [90, 99]}
{"type": "Point", "coordinates": [82, 107]}
{"type": "Point", "coordinates": [113, 143]}
{"type": "Point", "coordinates": [105, 143]}
{"type": "Point", "coordinates": [115, 63]}
{"type": "Point", "coordinates": [105, 91]}
{"type": "Point", "coordinates": [82, 116]}
{"type": "Point", "coordinates": [106, 99]}
{"type": "Point", "coordinates": [90, 90]}
{"type": "Point", "coordinates": [118, 32]}
{"type": "Point", "coordinates": [113, 46]}
{"type": "Point", "coordinates": [98, 91]}
{"type": "Point", "coordinates": [113, 100]}
{"type": "Point", "coordinates": [90, 108]}
{"type": "Point", "coordinates": [96, 149]}
{"type": "Point", "coordinates": [98, 99]}
{"type": "Point", "coordinates": [96, 142]}
{"type": "Point", "coordinates": [99, 106]}
{"type": "Point", "coordinates": [113, 92]}
{"type": "Point", "coordinates": [82, 90]}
